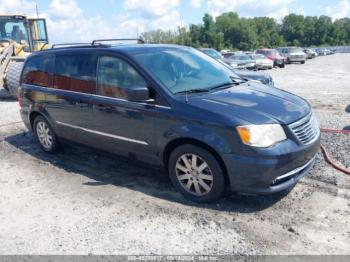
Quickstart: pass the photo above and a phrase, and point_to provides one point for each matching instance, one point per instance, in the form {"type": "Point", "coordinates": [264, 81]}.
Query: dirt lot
{"type": "Point", "coordinates": [81, 201]}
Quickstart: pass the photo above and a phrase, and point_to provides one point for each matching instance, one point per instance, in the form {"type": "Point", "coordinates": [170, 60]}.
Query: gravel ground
{"type": "Point", "coordinates": [81, 201]}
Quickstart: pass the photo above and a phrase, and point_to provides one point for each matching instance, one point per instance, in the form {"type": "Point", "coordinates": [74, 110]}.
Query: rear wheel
{"type": "Point", "coordinates": [302, 62]}
{"type": "Point", "coordinates": [45, 135]}
{"type": "Point", "coordinates": [282, 65]}
{"type": "Point", "coordinates": [196, 173]}
{"type": "Point", "coordinates": [13, 75]}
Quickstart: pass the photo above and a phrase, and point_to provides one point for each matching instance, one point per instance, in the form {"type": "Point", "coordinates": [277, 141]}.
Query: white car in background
{"type": "Point", "coordinates": [293, 54]}
{"type": "Point", "coordinates": [261, 61]}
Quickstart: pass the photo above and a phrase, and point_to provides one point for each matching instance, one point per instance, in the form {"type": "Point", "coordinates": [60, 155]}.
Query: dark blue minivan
{"type": "Point", "coordinates": [171, 106]}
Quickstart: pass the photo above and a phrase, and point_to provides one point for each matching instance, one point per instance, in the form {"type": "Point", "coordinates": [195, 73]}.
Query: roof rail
{"type": "Point", "coordinates": [68, 45]}
{"type": "Point", "coordinates": [138, 40]}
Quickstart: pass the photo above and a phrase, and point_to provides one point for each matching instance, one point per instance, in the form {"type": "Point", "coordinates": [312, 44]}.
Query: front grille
{"type": "Point", "coordinates": [306, 130]}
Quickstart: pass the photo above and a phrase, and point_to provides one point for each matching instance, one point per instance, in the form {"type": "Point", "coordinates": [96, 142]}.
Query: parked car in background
{"type": "Point", "coordinates": [212, 53]}
{"type": "Point", "coordinates": [273, 55]}
{"type": "Point", "coordinates": [293, 54]}
{"type": "Point", "coordinates": [250, 75]}
{"type": "Point", "coordinates": [323, 51]}
{"type": "Point", "coordinates": [261, 61]}
{"type": "Point", "coordinates": [263, 78]}
{"type": "Point", "coordinates": [310, 53]}
{"type": "Point", "coordinates": [228, 54]}
{"type": "Point", "coordinates": [174, 107]}
{"type": "Point", "coordinates": [240, 61]}
{"type": "Point", "coordinates": [225, 51]}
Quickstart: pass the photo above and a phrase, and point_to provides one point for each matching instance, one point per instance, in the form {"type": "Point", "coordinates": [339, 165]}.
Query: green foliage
{"type": "Point", "coordinates": [229, 31]}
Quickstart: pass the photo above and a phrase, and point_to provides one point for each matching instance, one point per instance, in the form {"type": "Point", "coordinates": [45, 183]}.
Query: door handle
{"type": "Point", "coordinates": [81, 104]}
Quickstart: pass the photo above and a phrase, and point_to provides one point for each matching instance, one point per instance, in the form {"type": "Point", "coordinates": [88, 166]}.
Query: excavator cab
{"type": "Point", "coordinates": [29, 33]}
{"type": "Point", "coordinates": [38, 34]}
{"type": "Point", "coordinates": [19, 37]}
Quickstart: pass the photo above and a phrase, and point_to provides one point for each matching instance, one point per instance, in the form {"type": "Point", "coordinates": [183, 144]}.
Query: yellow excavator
{"type": "Point", "coordinates": [19, 37]}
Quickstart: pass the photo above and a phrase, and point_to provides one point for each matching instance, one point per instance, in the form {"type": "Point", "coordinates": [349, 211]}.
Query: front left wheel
{"type": "Point", "coordinates": [196, 173]}
{"type": "Point", "coordinates": [45, 135]}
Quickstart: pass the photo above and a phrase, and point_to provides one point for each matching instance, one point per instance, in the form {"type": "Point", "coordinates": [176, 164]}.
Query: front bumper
{"type": "Point", "coordinates": [271, 170]}
{"type": "Point", "coordinates": [264, 66]}
{"type": "Point", "coordinates": [251, 67]}
{"type": "Point", "coordinates": [278, 62]}
{"type": "Point", "coordinates": [297, 59]}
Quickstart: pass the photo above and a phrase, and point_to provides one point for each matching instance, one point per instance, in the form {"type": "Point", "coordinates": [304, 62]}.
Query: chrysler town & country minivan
{"type": "Point", "coordinates": [171, 106]}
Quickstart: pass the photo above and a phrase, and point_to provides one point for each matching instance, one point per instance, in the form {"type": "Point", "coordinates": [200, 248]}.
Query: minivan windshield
{"type": "Point", "coordinates": [186, 69]}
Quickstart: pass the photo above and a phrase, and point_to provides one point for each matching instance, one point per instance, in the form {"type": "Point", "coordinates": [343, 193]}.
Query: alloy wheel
{"type": "Point", "coordinates": [44, 135]}
{"type": "Point", "coordinates": [194, 174]}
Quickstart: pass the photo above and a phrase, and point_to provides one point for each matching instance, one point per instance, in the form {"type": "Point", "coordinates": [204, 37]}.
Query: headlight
{"type": "Point", "coordinates": [261, 135]}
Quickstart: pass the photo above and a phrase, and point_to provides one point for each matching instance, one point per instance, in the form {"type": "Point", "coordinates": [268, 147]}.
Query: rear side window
{"type": "Point", "coordinates": [115, 75]}
{"type": "Point", "coordinates": [75, 72]}
{"type": "Point", "coordinates": [38, 71]}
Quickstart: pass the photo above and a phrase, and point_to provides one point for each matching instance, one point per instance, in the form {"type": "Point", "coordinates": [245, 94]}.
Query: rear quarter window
{"type": "Point", "coordinates": [75, 72]}
{"type": "Point", "coordinates": [38, 71]}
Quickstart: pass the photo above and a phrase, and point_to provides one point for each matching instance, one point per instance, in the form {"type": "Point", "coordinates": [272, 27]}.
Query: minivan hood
{"type": "Point", "coordinates": [254, 103]}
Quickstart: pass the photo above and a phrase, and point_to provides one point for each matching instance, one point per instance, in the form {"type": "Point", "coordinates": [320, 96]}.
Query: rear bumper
{"type": "Point", "coordinates": [268, 174]}
{"type": "Point", "coordinates": [25, 118]}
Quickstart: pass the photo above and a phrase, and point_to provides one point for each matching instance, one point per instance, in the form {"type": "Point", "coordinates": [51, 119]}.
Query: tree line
{"type": "Point", "coordinates": [229, 31]}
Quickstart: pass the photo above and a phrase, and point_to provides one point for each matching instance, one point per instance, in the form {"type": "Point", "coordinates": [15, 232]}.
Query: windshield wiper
{"type": "Point", "coordinates": [221, 86]}
{"type": "Point", "coordinates": [193, 91]}
{"type": "Point", "coordinates": [236, 81]}
{"type": "Point", "coordinates": [202, 90]}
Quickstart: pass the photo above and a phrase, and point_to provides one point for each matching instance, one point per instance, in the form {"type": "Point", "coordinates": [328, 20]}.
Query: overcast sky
{"type": "Point", "coordinates": [79, 20]}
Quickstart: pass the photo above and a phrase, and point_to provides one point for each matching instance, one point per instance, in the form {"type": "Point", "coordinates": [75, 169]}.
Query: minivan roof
{"type": "Point", "coordinates": [127, 48]}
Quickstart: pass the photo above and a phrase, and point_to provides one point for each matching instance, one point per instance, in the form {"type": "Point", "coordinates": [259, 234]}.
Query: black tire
{"type": "Point", "coordinates": [282, 65]}
{"type": "Point", "coordinates": [302, 62]}
{"type": "Point", "coordinates": [217, 184]}
{"type": "Point", "coordinates": [13, 75]}
{"type": "Point", "coordinates": [38, 121]}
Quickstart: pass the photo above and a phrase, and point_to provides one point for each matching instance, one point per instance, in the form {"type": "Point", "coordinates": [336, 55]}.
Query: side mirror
{"type": "Point", "coordinates": [137, 94]}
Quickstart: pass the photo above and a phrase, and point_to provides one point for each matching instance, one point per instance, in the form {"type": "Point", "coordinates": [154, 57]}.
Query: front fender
{"type": "Point", "coordinates": [219, 139]}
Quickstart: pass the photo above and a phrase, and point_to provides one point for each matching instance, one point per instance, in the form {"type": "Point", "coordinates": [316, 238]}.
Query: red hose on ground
{"type": "Point", "coordinates": [326, 155]}
{"type": "Point", "coordinates": [327, 130]}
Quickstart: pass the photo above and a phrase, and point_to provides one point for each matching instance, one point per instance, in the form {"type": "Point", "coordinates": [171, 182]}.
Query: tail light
{"type": "Point", "coordinates": [271, 57]}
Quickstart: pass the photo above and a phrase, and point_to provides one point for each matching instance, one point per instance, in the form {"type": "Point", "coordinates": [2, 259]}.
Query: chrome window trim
{"type": "Point", "coordinates": [95, 95]}
{"type": "Point", "coordinates": [104, 134]}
